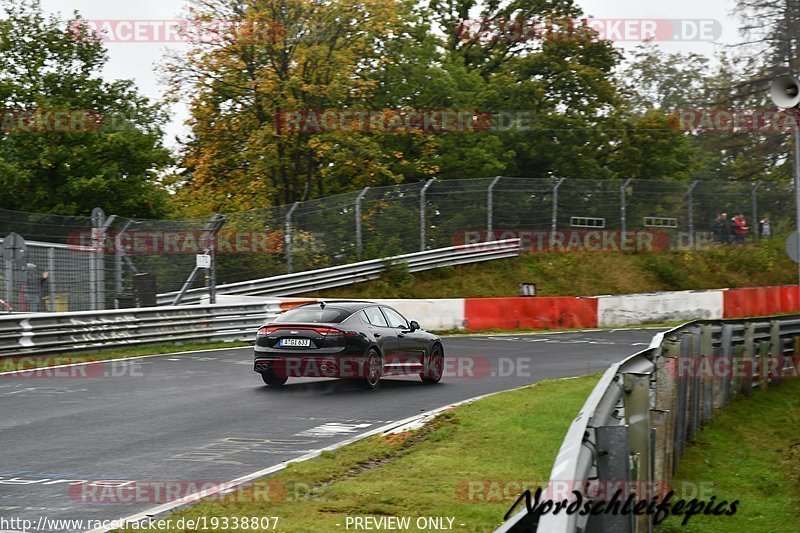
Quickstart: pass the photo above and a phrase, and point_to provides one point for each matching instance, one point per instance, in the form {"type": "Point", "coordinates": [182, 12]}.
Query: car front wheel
{"type": "Point", "coordinates": [435, 367]}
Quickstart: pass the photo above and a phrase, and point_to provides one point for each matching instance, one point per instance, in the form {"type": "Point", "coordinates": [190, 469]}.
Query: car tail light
{"type": "Point", "coordinates": [339, 332]}
{"type": "Point", "coordinates": [267, 330]}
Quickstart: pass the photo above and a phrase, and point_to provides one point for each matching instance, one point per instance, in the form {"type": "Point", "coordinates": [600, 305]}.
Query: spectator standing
{"type": "Point", "coordinates": [764, 228]}
{"type": "Point", "coordinates": [716, 228]}
{"type": "Point", "coordinates": [740, 228]}
{"type": "Point", "coordinates": [726, 232]}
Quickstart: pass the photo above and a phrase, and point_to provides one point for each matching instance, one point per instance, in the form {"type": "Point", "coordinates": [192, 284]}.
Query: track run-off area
{"type": "Point", "coordinates": [204, 417]}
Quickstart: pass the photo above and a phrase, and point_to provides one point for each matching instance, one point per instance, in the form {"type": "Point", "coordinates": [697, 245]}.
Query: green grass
{"type": "Point", "coordinates": [25, 362]}
{"type": "Point", "coordinates": [590, 274]}
{"type": "Point", "coordinates": [750, 453]}
{"type": "Point", "coordinates": [507, 437]}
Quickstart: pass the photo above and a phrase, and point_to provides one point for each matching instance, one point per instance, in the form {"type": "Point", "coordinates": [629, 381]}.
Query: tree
{"type": "Point", "coordinates": [302, 56]}
{"type": "Point", "coordinates": [70, 141]}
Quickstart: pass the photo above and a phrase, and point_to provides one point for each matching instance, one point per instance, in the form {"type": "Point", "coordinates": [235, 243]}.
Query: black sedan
{"type": "Point", "coordinates": [346, 340]}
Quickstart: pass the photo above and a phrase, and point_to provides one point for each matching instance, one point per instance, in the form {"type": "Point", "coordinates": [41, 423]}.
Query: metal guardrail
{"type": "Point", "coordinates": [326, 278]}
{"type": "Point", "coordinates": [44, 333]}
{"type": "Point", "coordinates": [645, 410]}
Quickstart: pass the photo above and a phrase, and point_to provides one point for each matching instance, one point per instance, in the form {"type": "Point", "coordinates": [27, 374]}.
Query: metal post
{"type": "Point", "coordinates": [101, 225]}
{"type": "Point", "coordinates": [691, 212]}
{"type": "Point", "coordinates": [288, 237]}
{"type": "Point", "coordinates": [754, 204]}
{"type": "Point", "coordinates": [422, 244]}
{"type": "Point", "coordinates": [51, 278]}
{"type": "Point", "coordinates": [796, 128]}
{"type": "Point", "coordinates": [490, 210]}
{"type": "Point", "coordinates": [358, 220]}
{"type": "Point", "coordinates": [623, 208]}
{"type": "Point", "coordinates": [217, 221]}
{"type": "Point", "coordinates": [554, 220]}
{"type": "Point", "coordinates": [118, 253]}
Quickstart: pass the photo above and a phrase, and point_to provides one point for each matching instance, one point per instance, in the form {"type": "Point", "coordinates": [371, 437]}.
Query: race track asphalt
{"type": "Point", "coordinates": [208, 417]}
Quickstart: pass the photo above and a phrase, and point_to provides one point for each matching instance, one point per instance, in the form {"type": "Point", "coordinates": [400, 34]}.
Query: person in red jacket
{"type": "Point", "coordinates": [740, 228]}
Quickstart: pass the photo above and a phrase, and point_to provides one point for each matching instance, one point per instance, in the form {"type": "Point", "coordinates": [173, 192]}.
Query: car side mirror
{"type": "Point", "coordinates": [414, 325]}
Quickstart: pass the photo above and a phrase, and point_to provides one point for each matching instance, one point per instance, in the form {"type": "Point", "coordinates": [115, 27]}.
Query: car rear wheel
{"type": "Point", "coordinates": [273, 380]}
{"type": "Point", "coordinates": [373, 369]}
{"type": "Point", "coordinates": [435, 367]}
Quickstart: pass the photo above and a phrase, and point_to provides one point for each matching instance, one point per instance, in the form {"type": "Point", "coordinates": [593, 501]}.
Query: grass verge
{"type": "Point", "coordinates": [491, 443]}
{"type": "Point", "coordinates": [589, 274]}
{"type": "Point", "coordinates": [750, 453]}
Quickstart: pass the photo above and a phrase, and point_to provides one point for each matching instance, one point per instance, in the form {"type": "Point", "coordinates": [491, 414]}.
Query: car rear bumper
{"type": "Point", "coordinates": [323, 366]}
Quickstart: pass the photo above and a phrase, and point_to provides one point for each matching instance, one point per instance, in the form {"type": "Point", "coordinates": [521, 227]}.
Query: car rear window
{"type": "Point", "coordinates": [313, 314]}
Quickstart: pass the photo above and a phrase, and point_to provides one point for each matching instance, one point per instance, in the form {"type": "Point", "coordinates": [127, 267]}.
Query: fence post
{"type": "Point", "coordinates": [360, 197]}
{"type": "Point", "coordinates": [288, 238]}
{"type": "Point", "coordinates": [554, 221]}
{"type": "Point", "coordinates": [691, 211]}
{"type": "Point", "coordinates": [51, 278]}
{"type": "Point", "coordinates": [623, 208]}
{"type": "Point", "coordinates": [754, 203]}
{"type": "Point", "coordinates": [217, 221]}
{"type": "Point", "coordinates": [100, 225]}
{"type": "Point", "coordinates": [490, 210]}
{"type": "Point", "coordinates": [118, 258]}
{"type": "Point", "coordinates": [422, 244]}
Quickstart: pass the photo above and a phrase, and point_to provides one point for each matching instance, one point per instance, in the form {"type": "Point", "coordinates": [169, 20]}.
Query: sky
{"type": "Point", "coordinates": [140, 60]}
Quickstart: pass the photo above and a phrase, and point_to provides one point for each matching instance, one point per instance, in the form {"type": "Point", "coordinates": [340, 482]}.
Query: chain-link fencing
{"type": "Point", "coordinates": [103, 261]}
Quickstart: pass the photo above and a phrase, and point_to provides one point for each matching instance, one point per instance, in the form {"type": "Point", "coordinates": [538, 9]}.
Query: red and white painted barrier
{"type": "Point", "coordinates": [583, 312]}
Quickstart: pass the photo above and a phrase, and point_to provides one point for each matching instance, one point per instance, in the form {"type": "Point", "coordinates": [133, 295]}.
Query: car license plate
{"type": "Point", "coordinates": [295, 342]}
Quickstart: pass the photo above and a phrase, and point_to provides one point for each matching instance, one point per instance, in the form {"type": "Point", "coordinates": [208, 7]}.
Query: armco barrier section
{"type": "Point", "coordinates": [530, 313]}
{"type": "Point", "coordinates": [339, 276]}
{"type": "Point", "coordinates": [646, 410]}
{"type": "Point", "coordinates": [237, 317]}
{"type": "Point", "coordinates": [625, 310]}
{"type": "Point", "coordinates": [84, 330]}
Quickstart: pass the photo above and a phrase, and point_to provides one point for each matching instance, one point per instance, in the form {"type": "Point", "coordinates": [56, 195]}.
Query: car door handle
{"type": "Point", "coordinates": [400, 335]}
{"type": "Point", "coordinates": [377, 335]}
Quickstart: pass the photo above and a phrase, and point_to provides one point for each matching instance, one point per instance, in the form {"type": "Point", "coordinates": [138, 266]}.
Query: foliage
{"type": "Point", "coordinates": [107, 153]}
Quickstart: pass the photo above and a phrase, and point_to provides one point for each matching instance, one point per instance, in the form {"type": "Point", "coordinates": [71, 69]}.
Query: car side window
{"type": "Point", "coordinates": [394, 318]}
{"type": "Point", "coordinates": [374, 317]}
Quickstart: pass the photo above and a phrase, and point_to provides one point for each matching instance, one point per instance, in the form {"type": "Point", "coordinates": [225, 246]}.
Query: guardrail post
{"type": "Point", "coordinates": [288, 237]}
{"type": "Point", "coordinates": [623, 207]}
{"type": "Point", "coordinates": [694, 388]}
{"type": "Point", "coordinates": [554, 219]}
{"type": "Point", "coordinates": [360, 197]}
{"type": "Point", "coordinates": [708, 378]}
{"type": "Point", "coordinates": [613, 464]}
{"type": "Point", "coordinates": [748, 355]}
{"type": "Point", "coordinates": [423, 245]}
{"type": "Point", "coordinates": [726, 347]}
{"type": "Point", "coordinates": [763, 364]}
{"type": "Point", "coordinates": [667, 404]}
{"type": "Point", "coordinates": [637, 417]}
{"type": "Point", "coordinates": [681, 423]}
{"type": "Point", "coordinates": [490, 209]}
{"type": "Point", "coordinates": [776, 348]}
{"type": "Point", "coordinates": [690, 204]}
